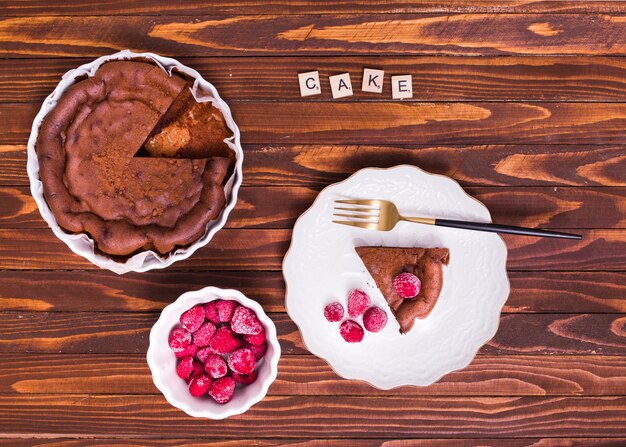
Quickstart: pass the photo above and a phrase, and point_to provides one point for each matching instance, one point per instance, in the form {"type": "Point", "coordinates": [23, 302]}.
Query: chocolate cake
{"type": "Point", "coordinates": [385, 263]}
{"type": "Point", "coordinates": [99, 177]}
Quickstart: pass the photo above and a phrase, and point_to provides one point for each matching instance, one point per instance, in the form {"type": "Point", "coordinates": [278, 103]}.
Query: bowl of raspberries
{"type": "Point", "coordinates": [213, 353]}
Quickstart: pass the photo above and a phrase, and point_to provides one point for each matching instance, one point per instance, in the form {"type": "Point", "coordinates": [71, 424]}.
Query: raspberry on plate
{"type": "Point", "coordinates": [184, 368]}
{"type": "Point", "coordinates": [374, 319]}
{"type": "Point", "coordinates": [203, 335]}
{"type": "Point", "coordinates": [242, 361]}
{"type": "Point", "coordinates": [222, 390]}
{"type": "Point", "coordinates": [407, 285]}
{"type": "Point", "coordinates": [256, 339]}
{"type": "Point", "coordinates": [193, 318]}
{"type": "Point", "coordinates": [257, 350]}
{"type": "Point", "coordinates": [198, 369]}
{"type": "Point", "coordinates": [245, 322]}
{"type": "Point", "coordinates": [244, 379]}
{"type": "Point", "coordinates": [203, 354]}
{"type": "Point", "coordinates": [199, 385]}
{"type": "Point", "coordinates": [215, 366]}
{"type": "Point", "coordinates": [179, 339]}
{"type": "Point", "coordinates": [211, 313]}
{"type": "Point", "coordinates": [334, 312]}
{"type": "Point", "coordinates": [358, 302]}
{"type": "Point", "coordinates": [224, 341]}
{"type": "Point", "coordinates": [225, 309]}
{"type": "Point", "coordinates": [351, 331]}
{"type": "Point", "coordinates": [189, 351]}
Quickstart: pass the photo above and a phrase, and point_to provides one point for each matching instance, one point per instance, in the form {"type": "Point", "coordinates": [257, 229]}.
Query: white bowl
{"type": "Point", "coordinates": [162, 361]}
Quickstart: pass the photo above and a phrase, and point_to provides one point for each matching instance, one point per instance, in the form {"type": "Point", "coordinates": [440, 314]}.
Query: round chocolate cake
{"type": "Point", "coordinates": [130, 158]}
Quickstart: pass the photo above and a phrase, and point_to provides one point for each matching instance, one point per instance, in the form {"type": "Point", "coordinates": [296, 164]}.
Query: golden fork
{"type": "Point", "coordinates": [382, 215]}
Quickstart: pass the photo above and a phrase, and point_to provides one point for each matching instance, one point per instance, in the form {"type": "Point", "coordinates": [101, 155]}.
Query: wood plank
{"type": "Point", "coordinates": [63, 291]}
{"type": "Point", "coordinates": [308, 416]}
{"type": "Point", "coordinates": [493, 165]}
{"type": "Point", "coordinates": [257, 207]}
{"type": "Point", "coordinates": [189, 7]}
{"type": "Point", "coordinates": [306, 375]}
{"type": "Point", "coordinates": [263, 249]}
{"type": "Point", "coordinates": [200, 441]}
{"type": "Point", "coordinates": [127, 333]}
{"type": "Point", "coordinates": [206, 35]}
{"type": "Point", "coordinates": [442, 78]}
{"type": "Point", "coordinates": [399, 123]}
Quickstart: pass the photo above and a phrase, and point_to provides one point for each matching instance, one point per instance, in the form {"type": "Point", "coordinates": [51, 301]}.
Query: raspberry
{"type": "Point", "coordinates": [193, 318]}
{"type": "Point", "coordinates": [189, 351]}
{"type": "Point", "coordinates": [257, 350]}
{"type": "Point", "coordinates": [333, 312]}
{"type": "Point", "coordinates": [224, 341]}
{"type": "Point", "coordinates": [199, 385]}
{"type": "Point", "coordinates": [242, 361]}
{"type": "Point", "coordinates": [222, 390]}
{"type": "Point", "coordinates": [351, 331]}
{"type": "Point", "coordinates": [211, 313]}
{"type": "Point", "coordinates": [374, 319]}
{"type": "Point", "coordinates": [215, 366]}
{"type": "Point", "coordinates": [179, 339]}
{"type": "Point", "coordinates": [357, 303]}
{"type": "Point", "coordinates": [245, 379]}
{"type": "Point", "coordinates": [407, 285]}
{"type": "Point", "coordinates": [198, 369]}
{"type": "Point", "coordinates": [203, 336]}
{"type": "Point", "coordinates": [245, 322]}
{"type": "Point", "coordinates": [203, 354]}
{"type": "Point", "coordinates": [184, 368]}
{"type": "Point", "coordinates": [257, 339]}
{"type": "Point", "coordinates": [225, 309]}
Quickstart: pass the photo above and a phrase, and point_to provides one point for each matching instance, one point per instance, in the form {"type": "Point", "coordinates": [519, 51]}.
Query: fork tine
{"type": "Point", "coordinates": [358, 210]}
{"type": "Point", "coordinates": [365, 225]}
{"type": "Point", "coordinates": [358, 216]}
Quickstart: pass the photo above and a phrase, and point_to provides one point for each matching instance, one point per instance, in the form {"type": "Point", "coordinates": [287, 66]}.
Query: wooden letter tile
{"type": "Point", "coordinates": [373, 80]}
{"type": "Point", "coordinates": [340, 85]}
{"type": "Point", "coordinates": [402, 87]}
{"type": "Point", "coordinates": [309, 83]}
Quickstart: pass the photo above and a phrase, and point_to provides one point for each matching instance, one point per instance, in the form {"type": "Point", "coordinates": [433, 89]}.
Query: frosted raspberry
{"type": "Point", "coordinates": [203, 336]}
{"type": "Point", "coordinates": [257, 350]}
{"type": "Point", "coordinates": [334, 312]}
{"type": "Point", "coordinates": [245, 322]}
{"type": "Point", "coordinates": [242, 361]}
{"type": "Point", "coordinates": [407, 285]}
{"type": "Point", "coordinates": [203, 354]}
{"type": "Point", "coordinates": [245, 379]}
{"type": "Point", "coordinates": [358, 302]}
{"type": "Point", "coordinates": [198, 369]}
{"type": "Point", "coordinates": [193, 318]}
{"type": "Point", "coordinates": [215, 366]}
{"type": "Point", "coordinates": [225, 309]}
{"type": "Point", "coordinates": [211, 313]}
{"type": "Point", "coordinates": [179, 339]}
{"type": "Point", "coordinates": [224, 341]}
{"type": "Point", "coordinates": [184, 368]}
{"type": "Point", "coordinates": [222, 390]}
{"type": "Point", "coordinates": [256, 339]}
{"type": "Point", "coordinates": [351, 331]}
{"type": "Point", "coordinates": [189, 351]}
{"type": "Point", "coordinates": [374, 319]}
{"type": "Point", "coordinates": [199, 385]}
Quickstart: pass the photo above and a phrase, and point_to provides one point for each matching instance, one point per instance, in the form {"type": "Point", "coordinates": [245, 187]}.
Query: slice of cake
{"type": "Point", "coordinates": [410, 279]}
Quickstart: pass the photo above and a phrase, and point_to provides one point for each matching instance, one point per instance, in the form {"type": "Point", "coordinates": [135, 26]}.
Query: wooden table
{"type": "Point", "coordinates": [522, 102]}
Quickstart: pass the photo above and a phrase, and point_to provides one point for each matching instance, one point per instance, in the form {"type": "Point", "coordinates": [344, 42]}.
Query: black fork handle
{"type": "Point", "coordinates": [505, 229]}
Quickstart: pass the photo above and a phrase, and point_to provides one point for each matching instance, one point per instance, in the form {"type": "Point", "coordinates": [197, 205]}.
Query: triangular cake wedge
{"type": "Point", "coordinates": [385, 263]}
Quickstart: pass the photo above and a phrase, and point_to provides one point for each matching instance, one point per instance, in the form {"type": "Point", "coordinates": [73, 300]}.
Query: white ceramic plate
{"type": "Point", "coordinates": [321, 266]}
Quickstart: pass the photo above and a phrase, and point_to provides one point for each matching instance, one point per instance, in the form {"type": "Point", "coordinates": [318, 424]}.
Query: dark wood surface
{"type": "Point", "coordinates": [522, 102]}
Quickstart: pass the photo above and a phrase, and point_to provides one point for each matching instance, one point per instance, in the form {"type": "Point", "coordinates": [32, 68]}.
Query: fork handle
{"type": "Point", "coordinates": [495, 228]}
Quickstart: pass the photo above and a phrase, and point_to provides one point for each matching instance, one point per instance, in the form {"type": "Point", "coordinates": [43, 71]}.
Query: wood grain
{"type": "Point", "coordinates": [256, 207]}
{"type": "Point", "coordinates": [189, 7]}
{"type": "Point", "coordinates": [494, 165]}
{"type": "Point", "coordinates": [263, 249]}
{"type": "Point", "coordinates": [402, 123]}
{"type": "Point", "coordinates": [306, 375]}
{"type": "Point", "coordinates": [442, 78]}
{"type": "Point", "coordinates": [308, 416]}
{"type": "Point", "coordinates": [127, 333]}
{"type": "Point", "coordinates": [64, 291]}
{"type": "Point", "coordinates": [322, 34]}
